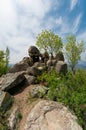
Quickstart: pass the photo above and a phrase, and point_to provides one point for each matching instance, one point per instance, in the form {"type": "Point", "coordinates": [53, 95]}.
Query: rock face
{"type": "Point", "coordinates": [34, 71]}
{"type": "Point", "coordinates": [34, 53]}
{"type": "Point", "coordinates": [45, 57]}
{"type": "Point", "coordinates": [18, 67]}
{"type": "Point", "coordinates": [38, 91]}
{"type": "Point", "coordinates": [61, 67]}
{"type": "Point", "coordinates": [12, 80]}
{"type": "Point", "coordinates": [13, 119]}
{"type": "Point", "coordinates": [49, 115]}
{"type": "Point", "coordinates": [30, 79]}
{"type": "Point", "coordinates": [5, 100]}
{"type": "Point", "coordinates": [60, 56]}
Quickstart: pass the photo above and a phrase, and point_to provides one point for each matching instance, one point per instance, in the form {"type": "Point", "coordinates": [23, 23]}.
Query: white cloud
{"type": "Point", "coordinates": [76, 23]}
{"type": "Point", "coordinates": [37, 8]}
{"type": "Point", "coordinates": [73, 4]}
{"type": "Point", "coordinates": [20, 22]}
{"type": "Point", "coordinates": [7, 16]}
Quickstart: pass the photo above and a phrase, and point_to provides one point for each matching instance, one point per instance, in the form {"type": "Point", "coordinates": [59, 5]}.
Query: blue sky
{"type": "Point", "coordinates": [22, 20]}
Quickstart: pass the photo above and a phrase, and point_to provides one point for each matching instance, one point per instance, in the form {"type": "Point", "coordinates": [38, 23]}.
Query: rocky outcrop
{"type": "Point", "coordinates": [12, 80]}
{"type": "Point", "coordinates": [49, 115]}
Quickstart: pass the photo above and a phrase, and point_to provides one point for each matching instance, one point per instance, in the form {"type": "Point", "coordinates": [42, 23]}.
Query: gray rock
{"type": "Point", "coordinates": [61, 67]}
{"type": "Point", "coordinates": [12, 80]}
{"type": "Point", "coordinates": [38, 91]}
{"type": "Point", "coordinates": [44, 57]}
{"type": "Point", "coordinates": [13, 119]}
{"type": "Point", "coordinates": [21, 66]}
{"type": "Point", "coordinates": [59, 56]}
{"type": "Point", "coordinates": [35, 71]}
{"type": "Point", "coordinates": [49, 115]}
{"type": "Point", "coordinates": [30, 79]}
{"type": "Point", "coordinates": [5, 100]}
{"type": "Point", "coordinates": [34, 53]}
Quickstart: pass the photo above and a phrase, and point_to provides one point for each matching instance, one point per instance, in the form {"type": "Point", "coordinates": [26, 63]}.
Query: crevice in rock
{"type": "Point", "coordinates": [17, 89]}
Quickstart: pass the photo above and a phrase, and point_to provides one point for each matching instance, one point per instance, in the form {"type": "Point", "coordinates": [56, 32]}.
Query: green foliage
{"type": "Point", "coordinates": [7, 57]}
{"type": "Point", "coordinates": [19, 116]}
{"type": "Point", "coordinates": [73, 51]}
{"type": "Point", "coordinates": [48, 41]}
{"type": "Point", "coordinates": [3, 123]}
{"type": "Point", "coordinates": [4, 60]}
{"type": "Point", "coordinates": [70, 90]}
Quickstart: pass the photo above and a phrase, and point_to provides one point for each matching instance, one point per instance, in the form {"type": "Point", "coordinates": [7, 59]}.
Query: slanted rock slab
{"type": "Point", "coordinates": [12, 80]}
{"type": "Point", "coordinates": [50, 115]}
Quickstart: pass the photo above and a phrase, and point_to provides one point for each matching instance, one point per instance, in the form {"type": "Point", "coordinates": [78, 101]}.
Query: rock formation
{"type": "Point", "coordinates": [49, 115]}
{"type": "Point", "coordinates": [46, 115]}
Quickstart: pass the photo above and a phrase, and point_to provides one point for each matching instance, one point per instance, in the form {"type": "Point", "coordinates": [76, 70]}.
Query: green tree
{"type": "Point", "coordinates": [73, 51]}
{"type": "Point", "coordinates": [50, 42]}
{"type": "Point", "coordinates": [4, 61]}
{"type": "Point", "coordinates": [7, 57]}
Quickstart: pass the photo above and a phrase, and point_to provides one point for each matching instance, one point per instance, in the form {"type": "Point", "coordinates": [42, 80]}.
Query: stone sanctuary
{"type": "Point", "coordinates": [21, 97]}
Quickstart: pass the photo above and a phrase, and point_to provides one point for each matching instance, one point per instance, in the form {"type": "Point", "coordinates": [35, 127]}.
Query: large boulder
{"type": "Point", "coordinates": [50, 115]}
{"type": "Point", "coordinates": [61, 67]}
{"type": "Point", "coordinates": [12, 80]}
{"type": "Point", "coordinates": [22, 65]}
{"type": "Point", "coordinates": [34, 71]}
{"type": "Point", "coordinates": [5, 100]}
{"type": "Point", "coordinates": [34, 53]}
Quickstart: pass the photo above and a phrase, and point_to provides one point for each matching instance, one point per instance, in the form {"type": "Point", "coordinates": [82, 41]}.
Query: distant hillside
{"type": "Point", "coordinates": [81, 64]}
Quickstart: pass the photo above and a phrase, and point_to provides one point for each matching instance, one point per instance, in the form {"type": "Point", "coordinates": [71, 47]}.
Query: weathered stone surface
{"type": "Point", "coordinates": [51, 63]}
{"type": "Point", "coordinates": [13, 119]}
{"type": "Point", "coordinates": [1, 80]}
{"type": "Point", "coordinates": [12, 80]}
{"type": "Point", "coordinates": [44, 57]}
{"type": "Point", "coordinates": [61, 67]}
{"type": "Point", "coordinates": [19, 67]}
{"type": "Point", "coordinates": [59, 56]}
{"type": "Point", "coordinates": [38, 91]}
{"type": "Point", "coordinates": [33, 51]}
{"type": "Point", "coordinates": [49, 115]}
{"type": "Point", "coordinates": [5, 100]}
{"type": "Point", "coordinates": [39, 64]}
{"type": "Point", "coordinates": [33, 71]}
{"type": "Point", "coordinates": [30, 79]}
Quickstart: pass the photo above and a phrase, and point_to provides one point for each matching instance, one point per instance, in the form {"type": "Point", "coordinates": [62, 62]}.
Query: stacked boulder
{"type": "Point", "coordinates": [26, 71]}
